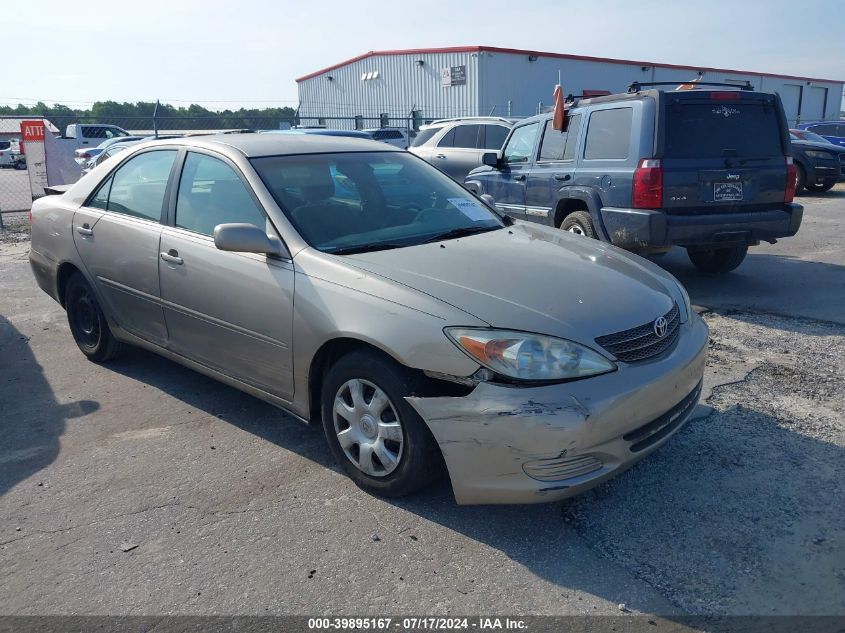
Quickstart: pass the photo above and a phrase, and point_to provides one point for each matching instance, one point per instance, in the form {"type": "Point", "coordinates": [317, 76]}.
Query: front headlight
{"type": "Point", "coordinates": [823, 155]}
{"type": "Point", "coordinates": [525, 356]}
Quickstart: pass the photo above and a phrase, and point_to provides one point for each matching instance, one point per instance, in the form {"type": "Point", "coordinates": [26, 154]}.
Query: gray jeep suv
{"type": "Point", "coordinates": [707, 169]}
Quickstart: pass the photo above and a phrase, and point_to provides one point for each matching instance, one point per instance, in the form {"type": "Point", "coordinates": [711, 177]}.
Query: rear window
{"type": "Point", "coordinates": [425, 135]}
{"type": "Point", "coordinates": [609, 134]}
{"type": "Point", "coordinates": [714, 130]}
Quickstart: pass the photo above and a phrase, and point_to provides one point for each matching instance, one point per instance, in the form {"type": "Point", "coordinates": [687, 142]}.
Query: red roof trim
{"type": "Point", "coordinates": [588, 58]}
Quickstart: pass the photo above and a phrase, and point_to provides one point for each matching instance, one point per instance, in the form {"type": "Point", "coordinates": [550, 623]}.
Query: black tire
{"type": "Point", "coordinates": [88, 323]}
{"type": "Point", "coordinates": [717, 261]}
{"type": "Point", "coordinates": [580, 223]}
{"type": "Point", "coordinates": [420, 462]}
{"type": "Point", "coordinates": [827, 185]}
{"type": "Point", "coordinates": [20, 165]}
{"type": "Point", "coordinates": [800, 178]}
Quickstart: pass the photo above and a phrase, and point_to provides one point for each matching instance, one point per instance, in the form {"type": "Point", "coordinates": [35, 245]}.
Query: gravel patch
{"type": "Point", "coordinates": [15, 228]}
{"type": "Point", "coordinates": [744, 509]}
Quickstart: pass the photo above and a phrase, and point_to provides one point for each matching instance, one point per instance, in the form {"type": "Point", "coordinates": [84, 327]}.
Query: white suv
{"type": "Point", "coordinates": [455, 146]}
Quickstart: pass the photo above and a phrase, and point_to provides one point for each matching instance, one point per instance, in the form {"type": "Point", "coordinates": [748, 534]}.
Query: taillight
{"type": "Point", "coordinates": [732, 95]}
{"type": "Point", "coordinates": [791, 180]}
{"type": "Point", "coordinates": [647, 191]}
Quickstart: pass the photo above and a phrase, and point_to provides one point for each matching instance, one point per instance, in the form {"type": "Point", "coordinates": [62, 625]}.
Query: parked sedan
{"type": "Point", "coordinates": [84, 154]}
{"type": "Point", "coordinates": [818, 166]}
{"type": "Point", "coordinates": [534, 363]}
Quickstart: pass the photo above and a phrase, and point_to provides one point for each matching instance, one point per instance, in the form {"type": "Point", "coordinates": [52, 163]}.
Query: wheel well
{"type": "Point", "coordinates": [64, 273]}
{"type": "Point", "coordinates": [332, 350]}
{"type": "Point", "coordinates": [567, 206]}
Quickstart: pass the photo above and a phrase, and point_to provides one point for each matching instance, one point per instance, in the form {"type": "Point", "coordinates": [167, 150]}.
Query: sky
{"type": "Point", "coordinates": [249, 52]}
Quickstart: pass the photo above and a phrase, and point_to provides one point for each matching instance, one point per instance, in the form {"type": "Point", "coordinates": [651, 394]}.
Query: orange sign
{"type": "Point", "coordinates": [32, 130]}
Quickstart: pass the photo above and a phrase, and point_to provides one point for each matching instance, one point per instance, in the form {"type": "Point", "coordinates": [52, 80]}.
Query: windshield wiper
{"type": "Point", "coordinates": [461, 232]}
{"type": "Point", "coordinates": [366, 248]}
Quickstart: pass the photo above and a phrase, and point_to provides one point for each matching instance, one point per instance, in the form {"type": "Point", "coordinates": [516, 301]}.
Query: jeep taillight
{"type": "Point", "coordinates": [647, 191]}
{"type": "Point", "coordinates": [791, 180]}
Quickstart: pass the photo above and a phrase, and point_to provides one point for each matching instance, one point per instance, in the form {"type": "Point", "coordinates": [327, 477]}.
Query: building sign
{"type": "Point", "coordinates": [32, 134]}
{"type": "Point", "coordinates": [453, 76]}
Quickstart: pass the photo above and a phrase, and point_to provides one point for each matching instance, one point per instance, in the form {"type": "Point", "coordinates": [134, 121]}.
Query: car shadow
{"type": "Point", "coordinates": [765, 282]}
{"type": "Point", "coordinates": [728, 509]}
{"type": "Point", "coordinates": [32, 421]}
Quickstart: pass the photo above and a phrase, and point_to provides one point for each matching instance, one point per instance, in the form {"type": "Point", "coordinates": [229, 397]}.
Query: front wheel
{"type": "Point", "coordinates": [717, 261]}
{"type": "Point", "coordinates": [374, 434]}
{"type": "Point", "coordinates": [87, 322]}
{"type": "Point", "coordinates": [800, 178]}
{"type": "Point", "coordinates": [827, 185]}
{"type": "Point", "coordinates": [579, 223]}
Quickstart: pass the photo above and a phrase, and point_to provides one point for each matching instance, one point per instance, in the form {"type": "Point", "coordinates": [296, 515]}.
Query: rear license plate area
{"type": "Point", "coordinates": [727, 191]}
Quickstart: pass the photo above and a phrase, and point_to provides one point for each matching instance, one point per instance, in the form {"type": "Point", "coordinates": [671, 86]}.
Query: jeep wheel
{"type": "Point", "coordinates": [717, 261]}
{"type": "Point", "coordinates": [580, 223]}
{"type": "Point", "coordinates": [800, 178]}
{"type": "Point", "coordinates": [374, 434]}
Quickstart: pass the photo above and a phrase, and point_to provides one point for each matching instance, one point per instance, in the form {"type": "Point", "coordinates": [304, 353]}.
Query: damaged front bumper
{"type": "Point", "coordinates": [507, 444]}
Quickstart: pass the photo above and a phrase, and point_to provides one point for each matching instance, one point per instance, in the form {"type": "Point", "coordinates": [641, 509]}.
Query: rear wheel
{"type": "Point", "coordinates": [579, 223]}
{"type": "Point", "coordinates": [800, 178]}
{"type": "Point", "coordinates": [88, 323]}
{"type": "Point", "coordinates": [717, 261]}
{"type": "Point", "coordinates": [374, 434]}
{"type": "Point", "coordinates": [827, 185]}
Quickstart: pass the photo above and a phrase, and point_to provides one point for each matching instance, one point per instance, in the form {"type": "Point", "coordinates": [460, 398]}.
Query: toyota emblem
{"type": "Point", "coordinates": [660, 327]}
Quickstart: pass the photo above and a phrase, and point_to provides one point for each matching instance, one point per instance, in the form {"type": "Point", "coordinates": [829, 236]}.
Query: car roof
{"type": "Point", "coordinates": [255, 145]}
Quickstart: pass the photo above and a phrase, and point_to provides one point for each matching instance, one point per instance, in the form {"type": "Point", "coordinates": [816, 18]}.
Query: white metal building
{"type": "Point", "coordinates": [483, 80]}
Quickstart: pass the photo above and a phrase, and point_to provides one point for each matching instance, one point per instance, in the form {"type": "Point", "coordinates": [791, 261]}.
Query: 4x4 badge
{"type": "Point", "coordinates": [660, 326]}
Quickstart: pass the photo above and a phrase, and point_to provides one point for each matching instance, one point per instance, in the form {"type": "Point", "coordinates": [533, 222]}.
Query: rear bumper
{"type": "Point", "coordinates": [507, 444]}
{"type": "Point", "coordinates": [642, 228]}
{"type": "Point", "coordinates": [45, 271]}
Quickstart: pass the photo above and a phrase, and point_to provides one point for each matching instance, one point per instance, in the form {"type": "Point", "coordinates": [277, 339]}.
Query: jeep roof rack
{"type": "Point", "coordinates": [635, 87]}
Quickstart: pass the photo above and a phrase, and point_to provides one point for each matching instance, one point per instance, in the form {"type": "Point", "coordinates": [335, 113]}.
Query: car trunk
{"type": "Point", "coordinates": [722, 152]}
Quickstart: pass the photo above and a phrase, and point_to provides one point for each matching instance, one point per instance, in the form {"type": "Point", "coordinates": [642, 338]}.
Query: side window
{"type": "Point", "coordinates": [494, 136]}
{"type": "Point", "coordinates": [521, 143]}
{"type": "Point", "coordinates": [448, 139]}
{"type": "Point", "coordinates": [572, 131]}
{"type": "Point", "coordinates": [101, 198]}
{"type": "Point", "coordinates": [609, 134]}
{"type": "Point", "coordinates": [138, 186]}
{"type": "Point", "coordinates": [210, 193]}
{"type": "Point", "coordinates": [825, 128]}
{"type": "Point", "coordinates": [553, 143]}
{"type": "Point", "coordinates": [466, 136]}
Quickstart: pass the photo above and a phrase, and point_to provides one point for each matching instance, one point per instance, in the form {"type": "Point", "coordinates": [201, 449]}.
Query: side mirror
{"type": "Point", "coordinates": [247, 238]}
{"type": "Point", "coordinates": [491, 159]}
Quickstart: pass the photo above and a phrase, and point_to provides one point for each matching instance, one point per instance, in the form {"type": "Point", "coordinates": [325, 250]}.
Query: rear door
{"type": "Point", "coordinates": [722, 152]}
{"type": "Point", "coordinates": [457, 152]}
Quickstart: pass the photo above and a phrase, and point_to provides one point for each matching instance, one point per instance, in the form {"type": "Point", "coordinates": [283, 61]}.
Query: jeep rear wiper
{"type": "Point", "coordinates": [461, 232]}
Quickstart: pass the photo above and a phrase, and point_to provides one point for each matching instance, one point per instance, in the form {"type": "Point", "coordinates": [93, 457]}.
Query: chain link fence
{"type": "Point", "coordinates": [15, 192]}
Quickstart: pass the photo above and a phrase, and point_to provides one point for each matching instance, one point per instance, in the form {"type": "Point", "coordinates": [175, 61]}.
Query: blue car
{"type": "Point", "coordinates": [833, 131]}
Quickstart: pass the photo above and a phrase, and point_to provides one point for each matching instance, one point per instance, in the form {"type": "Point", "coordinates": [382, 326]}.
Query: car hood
{"type": "Point", "coordinates": [533, 278]}
{"type": "Point", "coordinates": [826, 147]}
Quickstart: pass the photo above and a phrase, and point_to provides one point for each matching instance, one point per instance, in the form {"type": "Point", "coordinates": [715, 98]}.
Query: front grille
{"type": "Point", "coordinates": [558, 468]}
{"type": "Point", "coordinates": [642, 342]}
{"type": "Point", "coordinates": [651, 433]}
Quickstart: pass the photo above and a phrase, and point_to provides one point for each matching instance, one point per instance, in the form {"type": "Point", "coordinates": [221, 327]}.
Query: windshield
{"type": "Point", "coordinates": [424, 135]}
{"type": "Point", "coordinates": [352, 202]}
{"type": "Point", "coordinates": [816, 138]}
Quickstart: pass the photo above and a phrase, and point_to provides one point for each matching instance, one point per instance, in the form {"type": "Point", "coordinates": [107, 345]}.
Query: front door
{"type": "Point", "coordinates": [117, 236]}
{"type": "Point", "coordinates": [553, 171]}
{"type": "Point", "coordinates": [231, 312]}
{"type": "Point", "coordinates": [508, 186]}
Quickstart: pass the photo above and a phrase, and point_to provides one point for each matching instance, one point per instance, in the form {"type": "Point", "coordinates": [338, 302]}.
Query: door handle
{"type": "Point", "coordinates": [84, 230]}
{"type": "Point", "coordinates": [519, 177]}
{"type": "Point", "coordinates": [171, 257]}
{"type": "Point", "coordinates": [562, 177]}
{"type": "Point", "coordinates": [441, 156]}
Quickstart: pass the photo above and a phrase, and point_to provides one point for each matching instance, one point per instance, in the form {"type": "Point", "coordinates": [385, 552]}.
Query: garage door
{"type": "Point", "coordinates": [812, 107]}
